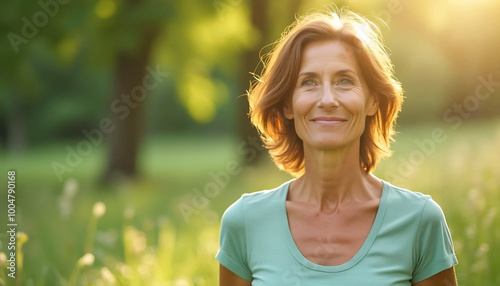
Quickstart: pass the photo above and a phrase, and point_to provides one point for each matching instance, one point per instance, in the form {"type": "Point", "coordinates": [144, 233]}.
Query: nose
{"type": "Point", "coordinates": [328, 97]}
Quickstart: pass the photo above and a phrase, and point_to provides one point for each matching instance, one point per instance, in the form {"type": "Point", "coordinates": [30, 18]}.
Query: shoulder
{"type": "Point", "coordinates": [404, 198]}
{"type": "Point", "coordinates": [432, 216]}
{"type": "Point", "coordinates": [250, 204]}
{"type": "Point", "coordinates": [421, 206]}
{"type": "Point", "coordinates": [404, 195]}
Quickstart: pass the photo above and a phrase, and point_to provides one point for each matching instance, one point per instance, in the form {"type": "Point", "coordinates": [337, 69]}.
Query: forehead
{"type": "Point", "coordinates": [323, 54]}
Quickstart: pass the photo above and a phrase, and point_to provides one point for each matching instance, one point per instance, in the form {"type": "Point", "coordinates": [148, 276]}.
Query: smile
{"type": "Point", "coordinates": [328, 120]}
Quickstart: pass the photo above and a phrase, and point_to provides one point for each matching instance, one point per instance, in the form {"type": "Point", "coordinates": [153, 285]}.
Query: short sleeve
{"type": "Point", "coordinates": [434, 246]}
{"type": "Point", "coordinates": [232, 253]}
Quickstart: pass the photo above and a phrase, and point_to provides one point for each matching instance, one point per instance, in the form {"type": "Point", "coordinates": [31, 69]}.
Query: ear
{"type": "Point", "coordinates": [287, 111]}
{"type": "Point", "coordinates": [372, 104]}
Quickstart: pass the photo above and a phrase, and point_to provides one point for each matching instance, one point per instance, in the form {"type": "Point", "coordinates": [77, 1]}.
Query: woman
{"type": "Point", "coordinates": [326, 106]}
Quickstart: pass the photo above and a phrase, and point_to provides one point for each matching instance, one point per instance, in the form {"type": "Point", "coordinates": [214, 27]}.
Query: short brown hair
{"type": "Point", "coordinates": [269, 94]}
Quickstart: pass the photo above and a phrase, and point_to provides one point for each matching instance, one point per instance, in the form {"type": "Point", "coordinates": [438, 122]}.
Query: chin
{"type": "Point", "coordinates": [331, 142]}
{"type": "Point", "coordinates": [328, 144]}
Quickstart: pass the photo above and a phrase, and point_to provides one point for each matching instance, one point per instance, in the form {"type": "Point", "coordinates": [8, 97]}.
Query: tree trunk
{"type": "Point", "coordinates": [126, 138]}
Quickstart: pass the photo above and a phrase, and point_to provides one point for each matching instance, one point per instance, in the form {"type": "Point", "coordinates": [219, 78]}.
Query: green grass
{"type": "Point", "coordinates": [143, 238]}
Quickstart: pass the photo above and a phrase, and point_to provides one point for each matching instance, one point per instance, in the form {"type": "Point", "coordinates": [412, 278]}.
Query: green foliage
{"type": "Point", "coordinates": [61, 79]}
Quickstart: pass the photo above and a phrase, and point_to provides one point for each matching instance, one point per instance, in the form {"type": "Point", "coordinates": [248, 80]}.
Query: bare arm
{"type": "Point", "coordinates": [443, 278]}
{"type": "Point", "coordinates": [228, 278]}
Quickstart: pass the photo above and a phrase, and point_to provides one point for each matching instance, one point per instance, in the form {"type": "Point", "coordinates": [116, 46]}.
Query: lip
{"type": "Point", "coordinates": [328, 120]}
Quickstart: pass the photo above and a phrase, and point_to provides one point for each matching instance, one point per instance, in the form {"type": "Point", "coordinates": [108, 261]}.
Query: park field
{"type": "Point", "coordinates": [162, 229]}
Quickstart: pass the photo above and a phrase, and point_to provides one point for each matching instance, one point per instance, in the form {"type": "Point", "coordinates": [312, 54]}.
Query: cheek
{"type": "Point", "coordinates": [301, 103]}
{"type": "Point", "coordinates": [354, 102]}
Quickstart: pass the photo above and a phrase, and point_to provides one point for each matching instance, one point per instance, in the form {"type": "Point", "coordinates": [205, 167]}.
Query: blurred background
{"type": "Point", "coordinates": [125, 123]}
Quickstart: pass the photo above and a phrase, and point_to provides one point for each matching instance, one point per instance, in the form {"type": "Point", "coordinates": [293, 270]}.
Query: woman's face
{"type": "Point", "coordinates": [331, 99]}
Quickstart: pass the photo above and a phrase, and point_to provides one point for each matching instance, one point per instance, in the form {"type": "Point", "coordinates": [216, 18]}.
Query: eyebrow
{"type": "Point", "coordinates": [342, 71]}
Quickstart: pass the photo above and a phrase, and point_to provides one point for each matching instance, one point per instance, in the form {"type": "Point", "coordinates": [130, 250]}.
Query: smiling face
{"type": "Point", "coordinates": [331, 100]}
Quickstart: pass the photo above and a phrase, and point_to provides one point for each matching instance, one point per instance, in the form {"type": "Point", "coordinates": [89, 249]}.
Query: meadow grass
{"type": "Point", "coordinates": [141, 237]}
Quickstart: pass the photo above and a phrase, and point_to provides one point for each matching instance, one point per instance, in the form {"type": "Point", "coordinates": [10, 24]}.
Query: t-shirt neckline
{"type": "Point", "coordinates": [356, 258]}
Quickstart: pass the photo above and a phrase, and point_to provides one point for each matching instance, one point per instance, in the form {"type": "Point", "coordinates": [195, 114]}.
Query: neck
{"type": "Point", "coordinates": [333, 177]}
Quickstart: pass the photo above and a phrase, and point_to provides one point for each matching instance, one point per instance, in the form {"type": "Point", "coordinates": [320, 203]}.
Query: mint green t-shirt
{"type": "Point", "coordinates": [408, 242]}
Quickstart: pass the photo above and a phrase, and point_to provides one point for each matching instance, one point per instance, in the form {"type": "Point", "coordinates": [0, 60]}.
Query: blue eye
{"type": "Point", "coordinates": [345, 81]}
{"type": "Point", "coordinates": [308, 82]}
